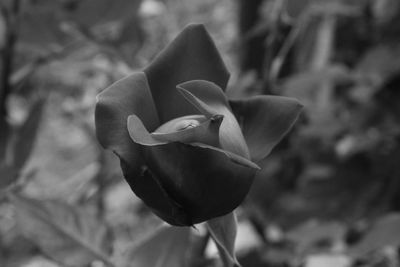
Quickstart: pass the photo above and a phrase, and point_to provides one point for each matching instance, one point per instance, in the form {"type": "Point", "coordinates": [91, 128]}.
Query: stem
{"type": "Point", "coordinates": [8, 53]}
{"type": "Point", "coordinates": [197, 255]}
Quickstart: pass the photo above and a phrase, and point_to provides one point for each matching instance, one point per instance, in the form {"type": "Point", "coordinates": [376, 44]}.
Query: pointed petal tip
{"type": "Point", "coordinates": [218, 118]}
{"type": "Point", "coordinates": [195, 27]}
{"type": "Point", "coordinates": [202, 107]}
{"type": "Point", "coordinates": [300, 105]}
{"type": "Point", "coordinates": [253, 165]}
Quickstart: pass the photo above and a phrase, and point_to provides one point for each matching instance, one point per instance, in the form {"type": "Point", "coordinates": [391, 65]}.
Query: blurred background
{"type": "Point", "coordinates": [328, 195]}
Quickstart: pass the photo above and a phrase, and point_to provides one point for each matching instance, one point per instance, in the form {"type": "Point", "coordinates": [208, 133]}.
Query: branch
{"type": "Point", "coordinates": [8, 52]}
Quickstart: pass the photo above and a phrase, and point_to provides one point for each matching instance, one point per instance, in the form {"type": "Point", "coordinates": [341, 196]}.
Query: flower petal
{"type": "Point", "coordinates": [204, 181]}
{"type": "Point", "coordinates": [191, 55]}
{"type": "Point", "coordinates": [206, 132]}
{"type": "Point", "coordinates": [154, 196]}
{"type": "Point", "coordinates": [127, 96]}
{"type": "Point", "coordinates": [232, 156]}
{"type": "Point", "coordinates": [139, 134]}
{"type": "Point", "coordinates": [265, 120]}
{"type": "Point", "coordinates": [209, 99]}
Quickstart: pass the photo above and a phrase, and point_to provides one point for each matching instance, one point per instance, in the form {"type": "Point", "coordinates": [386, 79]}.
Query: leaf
{"type": "Point", "coordinates": [164, 248]}
{"type": "Point", "coordinates": [91, 12]}
{"type": "Point", "coordinates": [65, 233]}
{"type": "Point", "coordinates": [26, 134]}
{"type": "Point", "coordinates": [327, 260]}
{"type": "Point", "coordinates": [308, 235]}
{"type": "Point", "coordinates": [40, 25]}
{"type": "Point", "coordinates": [223, 231]}
{"type": "Point", "coordinates": [385, 232]}
{"type": "Point", "coordinates": [377, 64]}
{"type": "Point", "coordinates": [47, 23]}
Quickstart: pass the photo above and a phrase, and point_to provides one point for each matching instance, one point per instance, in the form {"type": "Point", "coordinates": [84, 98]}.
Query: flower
{"type": "Point", "coordinates": [186, 150]}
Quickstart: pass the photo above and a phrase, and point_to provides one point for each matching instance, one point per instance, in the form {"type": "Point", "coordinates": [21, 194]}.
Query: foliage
{"type": "Point", "coordinates": [328, 195]}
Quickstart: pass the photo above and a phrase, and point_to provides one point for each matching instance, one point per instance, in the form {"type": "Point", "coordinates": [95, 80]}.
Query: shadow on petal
{"type": "Point", "coordinates": [150, 191]}
{"type": "Point", "coordinates": [127, 96]}
{"type": "Point", "coordinates": [265, 120]}
{"type": "Point", "coordinates": [206, 182]}
{"type": "Point", "coordinates": [191, 55]}
{"type": "Point", "coordinates": [235, 158]}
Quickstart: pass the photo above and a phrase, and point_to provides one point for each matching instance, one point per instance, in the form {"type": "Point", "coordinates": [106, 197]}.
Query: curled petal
{"type": "Point", "coordinates": [130, 95]}
{"type": "Point", "coordinates": [265, 120]}
{"type": "Point", "coordinates": [206, 132]}
{"type": "Point", "coordinates": [191, 55]}
{"type": "Point", "coordinates": [205, 181]}
{"type": "Point", "coordinates": [209, 99]}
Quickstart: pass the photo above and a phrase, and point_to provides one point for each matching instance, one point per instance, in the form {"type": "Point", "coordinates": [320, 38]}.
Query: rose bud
{"type": "Point", "coordinates": [186, 150]}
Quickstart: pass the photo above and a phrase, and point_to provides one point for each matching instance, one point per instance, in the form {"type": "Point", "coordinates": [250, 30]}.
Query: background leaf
{"type": "Point", "coordinates": [327, 260]}
{"type": "Point", "coordinates": [7, 175]}
{"type": "Point", "coordinates": [67, 234]}
{"type": "Point", "coordinates": [385, 232]}
{"type": "Point", "coordinates": [26, 134]}
{"type": "Point", "coordinates": [164, 248]}
{"type": "Point", "coordinates": [223, 231]}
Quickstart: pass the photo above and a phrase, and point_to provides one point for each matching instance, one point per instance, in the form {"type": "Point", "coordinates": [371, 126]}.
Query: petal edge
{"type": "Point", "coordinates": [191, 55]}
{"type": "Point", "coordinates": [130, 95]}
{"type": "Point", "coordinates": [265, 120]}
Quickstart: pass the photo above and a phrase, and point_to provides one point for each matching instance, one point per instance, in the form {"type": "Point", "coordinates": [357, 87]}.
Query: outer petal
{"type": "Point", "coordinates": [265, 120]}
{"type": "Point", "coordinates": [147, 188]}
{"type": "Point", "coordinates": [192, 55]}
{"type": "Point", "coordinates": [130, 95]}
{"type": "Point", "coordinates": [209, 99]}
{"type": "Point", "coordinates": [204, 181]}
{"type": "Point", "coordinates": [196, 181]}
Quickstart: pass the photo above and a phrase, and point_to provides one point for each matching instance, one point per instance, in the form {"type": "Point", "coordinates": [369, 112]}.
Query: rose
{"type": "Point", "coordinates": [184, 149]}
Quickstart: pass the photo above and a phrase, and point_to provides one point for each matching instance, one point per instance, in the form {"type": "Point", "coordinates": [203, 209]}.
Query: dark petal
{"type": "Point", "coordinates": [206, 132]}
{"type": "Point", "coordinates": [191, 55]}
{"type": "Point", "coordinates": [154, 196]}
{"type": "Point", "coordinates": [265, 120]}
{"type": "Point", "coordinates": [127, 96]}
{"type": "Point", "coordinates": [139, 133]}
{"type": "Point", "coordinates": [232, 156]}
{"type": "Point", "coordinates": [209, 99]}
{"type": "Point", "coordinates": [191, 177]}
{"type": "Point", "coordinates": [204, 181]}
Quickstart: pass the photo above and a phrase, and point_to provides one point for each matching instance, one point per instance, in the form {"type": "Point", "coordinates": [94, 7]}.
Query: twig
{"type": "Point", "coordinates": [101, 176]}
{"type": "Point", "coordinates": [11, 19]}
{"type": "Point", "coordinates": [25, 71]}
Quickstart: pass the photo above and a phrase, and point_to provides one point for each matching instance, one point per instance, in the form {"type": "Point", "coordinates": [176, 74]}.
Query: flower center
{"type": "Point", "coordinates": [187, 124]}
{"type": "Point", "coordinates": [181, 123]}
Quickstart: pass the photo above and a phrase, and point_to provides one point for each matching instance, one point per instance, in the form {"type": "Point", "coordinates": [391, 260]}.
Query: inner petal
{"type": "Point", "coordinates": [187, 129]}
{"type": "Point", "coordinates": [181, 123]}
{"type": "Point", "coordinates": [191, 129]}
